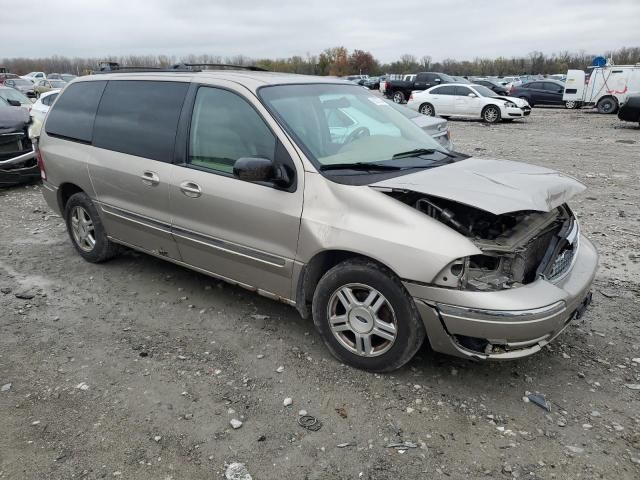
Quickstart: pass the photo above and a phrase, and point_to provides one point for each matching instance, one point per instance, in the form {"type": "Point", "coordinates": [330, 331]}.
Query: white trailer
{"type": "Point", "coordinates": [605, 88]}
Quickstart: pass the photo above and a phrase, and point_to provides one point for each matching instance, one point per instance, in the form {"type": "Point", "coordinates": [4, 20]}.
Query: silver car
{"type": "Point", "coordinates": [379, 234]}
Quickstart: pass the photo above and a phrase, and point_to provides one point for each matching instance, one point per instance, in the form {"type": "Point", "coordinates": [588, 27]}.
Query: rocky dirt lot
{"type": "Point", "coordinates": [134, 369]}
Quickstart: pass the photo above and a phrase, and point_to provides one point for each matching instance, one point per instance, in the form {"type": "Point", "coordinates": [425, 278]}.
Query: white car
{"type": "Point", "coordinates": [34, 76]}
{"type": "Point", "coordinates": [475, 101]}
{"type": "Point", "coordinates": [41, 107]}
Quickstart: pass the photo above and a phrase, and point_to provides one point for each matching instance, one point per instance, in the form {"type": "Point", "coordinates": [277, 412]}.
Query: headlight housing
{"type": "Point", "coordinates": [510, 105]}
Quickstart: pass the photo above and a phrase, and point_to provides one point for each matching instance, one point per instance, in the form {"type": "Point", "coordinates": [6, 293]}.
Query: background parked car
{"type": "Point", "coordinates": [400, 90]}
{"type": "Point", "coordinates": [462, 80]}
{"type": "Point", "coordinates": [13, 98]}
{"type": "Point", "coordinates": [630, 110]}
{"type": "Point", "coordinates": [473, 101]}
{"type": "Point", "coordinates": [17, 157]}
{"type": "Point", "coordinates": [492, 85]}
{"type": "Point", "coordinates": [5, 76]}
{"type": "Point", "coordinates": [41, 107]}
{"type": "Point", "coordinates": [34, 76]}
{"type": "Point", "coordinates": [540, 92]}
{"type": "Point", "coordinates": [437, 127]}
{"type": "Point", "coordinates": [22, 85]}
{"type": "Point", "coordinates": [46, 85]}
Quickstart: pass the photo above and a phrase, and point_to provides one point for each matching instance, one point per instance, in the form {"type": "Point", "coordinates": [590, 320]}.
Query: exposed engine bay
{"type": "Point", "coordinates": [518, 247]}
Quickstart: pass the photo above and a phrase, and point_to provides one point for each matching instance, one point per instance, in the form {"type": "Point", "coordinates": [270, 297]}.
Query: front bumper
{"type": "Point", "coordinates": [506, 324]}
{"type": "Point", "coordinates": [22, 168]}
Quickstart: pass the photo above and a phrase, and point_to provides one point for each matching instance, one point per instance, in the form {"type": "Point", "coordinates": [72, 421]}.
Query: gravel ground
{"type": "Point", "coordinates": [135, 368]}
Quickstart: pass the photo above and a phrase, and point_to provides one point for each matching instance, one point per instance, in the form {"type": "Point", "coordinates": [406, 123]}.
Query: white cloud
{"type": "Point", "coordinates": [461, 29]}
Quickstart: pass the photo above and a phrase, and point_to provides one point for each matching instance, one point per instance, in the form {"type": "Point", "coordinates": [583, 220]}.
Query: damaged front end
{"type": "Point", "coordinates": [517, 247]}
{"type": "Point", "coordinates": [18, 162]}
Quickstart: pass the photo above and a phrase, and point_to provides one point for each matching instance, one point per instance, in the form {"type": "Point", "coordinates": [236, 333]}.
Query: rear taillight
{"type": "Point", "coordinates": [40, 159]}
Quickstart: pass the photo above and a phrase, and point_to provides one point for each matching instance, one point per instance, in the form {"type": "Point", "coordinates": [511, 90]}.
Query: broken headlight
{"type": "Point", "coordinates": [477, 272]}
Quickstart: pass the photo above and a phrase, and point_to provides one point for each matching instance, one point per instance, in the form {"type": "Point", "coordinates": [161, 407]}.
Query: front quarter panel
{"type": "Point", "coordinates": [363, 220]}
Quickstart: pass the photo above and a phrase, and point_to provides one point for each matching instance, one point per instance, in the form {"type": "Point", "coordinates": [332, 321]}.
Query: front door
{"type": "Point", "coordinates": [241, 231]}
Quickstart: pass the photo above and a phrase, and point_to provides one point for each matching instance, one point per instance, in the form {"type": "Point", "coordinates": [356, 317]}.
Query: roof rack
{"type": "Point", "coordinates": [110, 67]}
{"type": "Point", "coordinates": [189, 66]}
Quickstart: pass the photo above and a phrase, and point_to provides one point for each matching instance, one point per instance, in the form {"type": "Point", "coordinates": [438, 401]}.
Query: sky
{"type": "Point", "coordinates": [460, 29]}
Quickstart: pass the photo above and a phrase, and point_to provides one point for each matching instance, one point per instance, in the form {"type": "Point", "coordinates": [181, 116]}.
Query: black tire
{"type": "Point", "coordinates": [572, 104]}
{"type": "Point", "coordinates": [491, 114]}
{"type": "Point", "coordinates": [104, 249]}
{"type": "Point", "coordinates": [398, 97]}
{"type": "Point", "coordinates": [607, 105]}
{"type": "Point", "coordinates": [530, 102]}
{"type": "Point", "coordinates": [427, 109]}
{"type": "Point", "coordinates": [410, 332]}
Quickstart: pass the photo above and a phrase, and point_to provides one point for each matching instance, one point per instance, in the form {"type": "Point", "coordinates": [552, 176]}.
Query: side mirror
{"type": "Point", "coordinates": [472, 95]}
{"type": "Point", "coordinates": [253, 169]}
{"type": "Point", "coordinates": [437, 80]}
{"type": "Point", "coordinates": [14, 103]}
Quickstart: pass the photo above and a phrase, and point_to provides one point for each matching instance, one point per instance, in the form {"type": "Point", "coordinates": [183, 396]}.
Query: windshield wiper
{"type": "Point", "coordinates": [421, 151]}
{"type": "Point", "coordinates": [359, 166]}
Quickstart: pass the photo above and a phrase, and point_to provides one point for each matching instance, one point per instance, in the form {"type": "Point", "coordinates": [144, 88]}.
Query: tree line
{"type": "Point", "coordinates": [338, 61]}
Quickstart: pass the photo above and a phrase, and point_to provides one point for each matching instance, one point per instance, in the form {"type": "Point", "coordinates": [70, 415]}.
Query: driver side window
{"type": "Point", "coordinates": [224, 128]}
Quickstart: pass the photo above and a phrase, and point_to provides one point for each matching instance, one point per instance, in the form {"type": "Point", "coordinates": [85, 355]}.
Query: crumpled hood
{"type": "Point", "coordinates": [497, 186]}
{"type": "Point", "coordinates": [13, 119]}
{"type": "Point", "coordinates": [518, 101]}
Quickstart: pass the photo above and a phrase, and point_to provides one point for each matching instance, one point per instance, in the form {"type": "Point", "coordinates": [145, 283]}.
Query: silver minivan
{"type": "Point", "coordinates": [379, 234]}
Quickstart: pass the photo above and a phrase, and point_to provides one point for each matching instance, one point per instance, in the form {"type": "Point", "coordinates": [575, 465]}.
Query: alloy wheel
{"type": "Point", "coordinates": [491, 114]}
{"type": "Point", "coordinates": [426, 110]}
{"type": "Point", "coordinates": [82, 229]}
{"type": "Point", "coordinates": [362, 320]}
{"type": "Point", "coordinates": [398, 97]}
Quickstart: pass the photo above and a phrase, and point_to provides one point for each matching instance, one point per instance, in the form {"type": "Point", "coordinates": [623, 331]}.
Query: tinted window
{"type": "Point", "coordinates": [74, 113]}
{"type": "Point", "coordinates": [421, 77]}
{"type": "Point", "coordinates": [535, 85]}
{"type": "Point", "coordinates": [464, 91]}
{"type": "Point", "coordinates": [224, 128]}
{"type": "Point", "coordinates": [444, 90]}
{"type": "Point", "coordinates": [553, 87]}
{"type": "Point", "coordinates": [140, 118]}
{"type": "Point", "coordinates": [48, 100]}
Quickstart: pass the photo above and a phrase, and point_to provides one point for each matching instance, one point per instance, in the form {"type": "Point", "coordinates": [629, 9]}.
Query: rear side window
{"type": "Point", "coordinates": [74, 114]}
{"type": "Point", "coordinates": [553, 87]}
{"type": "Point", "coordinates": [444, 90]}
{"type": "Point", "coordinates": [48, 100]}
{"type": "Point", "coordinates": [139, 118]}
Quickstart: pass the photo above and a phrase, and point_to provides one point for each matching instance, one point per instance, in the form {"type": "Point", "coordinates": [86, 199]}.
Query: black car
{"type": "Point", "coordinates": [493, 86]}
{"type": "Point", "coordinates": [629, 111]}
{"type": "Point", "coordinates": [540, 92]}
{"type": "Point", "coordinates": [400, 90]}
{"type": "Point", "coordinates": [17, 157]}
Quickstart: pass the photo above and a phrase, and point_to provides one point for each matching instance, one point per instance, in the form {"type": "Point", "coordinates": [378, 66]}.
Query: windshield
{"type": "Point", "coordinates": [58, 83]}
{"type": "Point", "coordinates": [11, 94]}
{"type": "Point", "coordinates": [67, 78]}
{"type": "Point", "coordinates": [22, 82]}
{"type": "Point", "coordinates": [484, 91]}
{"type": "Point", "coordinates": [343, 124]}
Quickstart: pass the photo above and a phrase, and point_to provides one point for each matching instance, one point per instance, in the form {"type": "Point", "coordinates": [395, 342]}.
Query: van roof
{"type": "Point", "coordinates": [250, 79]}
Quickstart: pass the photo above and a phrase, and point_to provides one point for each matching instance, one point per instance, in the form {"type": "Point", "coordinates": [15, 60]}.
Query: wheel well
{"type": "Point", "coordinates": [65, 191]}
{"type": "Point", "coordinates": [313, 271]}
{"type": "Point", "coordinates": [608, 97]}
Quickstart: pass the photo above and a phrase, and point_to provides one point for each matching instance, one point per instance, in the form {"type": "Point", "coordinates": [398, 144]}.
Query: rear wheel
{"type": "Point", "coordinates": [607, 105]}
{"type": "Point", "coordinates": [398, 97]}
{"type": "Point", "coordinates": [366, 317]}
{"type": "Point", "coordinates": [86, 230]}
{"type": "Point", "coordinates": [571, 104]}
{"type": "Point", "coordinates": [491, 114]}
{"type": "Point", "coordinates": [427, 109]}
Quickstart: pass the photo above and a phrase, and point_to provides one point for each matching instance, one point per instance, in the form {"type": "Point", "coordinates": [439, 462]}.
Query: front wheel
{"type": "Point", "coordinates": [427, 109]}
{"type": "Point", "coordinates": [571, 104]}
{"type": "Point", "coordinates": [491, 114]}
{"type": "Point", "coordinates": [365, 316]}
{"type": "Point", "coordinates": [398, 97]}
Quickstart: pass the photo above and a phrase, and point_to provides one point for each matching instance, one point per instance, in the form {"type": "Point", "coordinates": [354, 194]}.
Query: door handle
{"type": "Point", "coordinates": [191, 189]}
{"type": "Point", "coordinates": [150, 179]}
